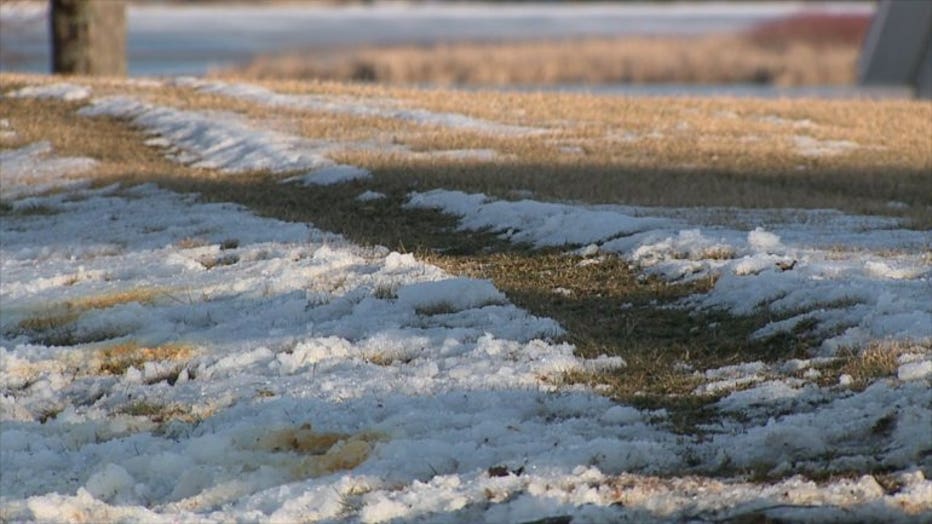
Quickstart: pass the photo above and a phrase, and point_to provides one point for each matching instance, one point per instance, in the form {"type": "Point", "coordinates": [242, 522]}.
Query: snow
{"type": "Point", "coordinates": [216, 140]}
{"type": "Point", "coordinates": [915, 370]}
{"type": "Point", "coordinates": [328, 176]}
{"type": "Point", "coordinates": [361, 107]}
{"type": "Point", "coordinates": [781, 121]}
{"type": "Point", "coordinates": [369, 196]}
{"type": "Point", "coordinates": [538, 223]}
{"type": "Point", "coordinates": [34, 170]}
{"type": "Point", "coordinates": [6, 132]}
{"type": "Point", "coordinates": [814, 148]}
{"type": "Point", "coordinates": [56, 91]}
{"type": "Point", "coordinates": [167, 359]}
{"type": "Point", "coordinates": [761, 240]}
{"type": "Point", "coordinates": [877, 289]}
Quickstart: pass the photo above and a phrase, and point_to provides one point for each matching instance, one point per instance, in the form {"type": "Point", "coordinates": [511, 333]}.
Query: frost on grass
{"type": "Point", "coordinates": [878, 289]}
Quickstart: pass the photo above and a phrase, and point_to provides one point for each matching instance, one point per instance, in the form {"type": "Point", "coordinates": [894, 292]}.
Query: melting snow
{"type": "Point", "coordinates": [6, 130]}
{"type": "Point", "coordinates": [166, 359]}
{"type": "Point", "coordinates": [812, 147]}
{"type": "Point", "coordinates": [361, 107]}
{"type": "Point", "coordinates": [216, 140]}
{"type": "Point", "coordinates": [854, 297]}
{"type": "Point", "coordinates": [58, 91]}
{"type": "Point", "coordinates": [327, 176]}
{"type": "Point", "coordinates": [368, 196]}
{"type": "Point", "coordinates": [34, 170]}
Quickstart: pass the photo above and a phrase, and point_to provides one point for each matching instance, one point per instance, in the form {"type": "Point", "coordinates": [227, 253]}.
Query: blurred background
{"type": "Point", "coordinates": [755, 48]}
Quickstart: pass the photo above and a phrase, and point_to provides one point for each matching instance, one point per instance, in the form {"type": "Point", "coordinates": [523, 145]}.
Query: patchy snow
{"type": "Point", "coordinates": [216, 140]}
{"type": "Point", "coordinates": [166, 359]}
{"type": "Point", "coordinates": [327, 176]}
{"type": "Point", "coordinates": [781, 121]}
{"type": "Point", "coordinates": [34, 169]}
{"type": "Point", "coordinates": [369, 196]}
{"type": "Point", "coordinates": [475, 155]}
{"type": "Point", "coordinates": [538, 223]}
{"type": "Point", "coordinates": [57, 91]}
{"type": "Point", "coordinates": [877, 288]}
{"type": "Point", "coordinates": [6, 130]}
{"type": "Point", "coordinates": [323, 380]}
{"type": "Point", "coordinates": [360, 107]}
{"type": "Point", "coordinates": [917, 370]}
{"type": "Point", "coordinates": [813, 147]}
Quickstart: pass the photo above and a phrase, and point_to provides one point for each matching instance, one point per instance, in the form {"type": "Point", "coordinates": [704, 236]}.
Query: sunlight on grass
{"type": "Point", "coordinates": [641, 151]}
{"type": "Point", "coordinates": [55, 324]}
{"type": "Point", "coordinates": [712, 59]}
{"type": "Point", "coordinates": [58, 315]}
{"type": "Point", "coordinates": [878, 360]}
{"type": "Point", "coordinates": [117, 358]}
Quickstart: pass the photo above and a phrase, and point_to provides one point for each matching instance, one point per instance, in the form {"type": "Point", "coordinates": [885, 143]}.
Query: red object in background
{"type": "Point", "coordinates": [816, 28]}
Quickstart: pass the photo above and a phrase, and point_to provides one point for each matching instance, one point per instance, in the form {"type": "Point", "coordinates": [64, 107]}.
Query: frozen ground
{"type": "Point", "coordinates": [165, 359]}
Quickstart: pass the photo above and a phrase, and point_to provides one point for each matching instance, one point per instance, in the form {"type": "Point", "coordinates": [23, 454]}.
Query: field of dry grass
{"type": "Point", "coordinates": [804, 50]}
{"type": "Point", "coordinates": [630, 60]}
{"type": "Point", "coordinates": [854, 155]}
{"type": "Point", "coordinates": [675, 152]}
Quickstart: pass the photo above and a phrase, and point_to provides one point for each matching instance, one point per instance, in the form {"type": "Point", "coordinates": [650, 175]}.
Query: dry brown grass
{"type": "Point", "coordinates": [726, 144]}
{"type": "Point", "coordinates": [718, 59]}
{"type": "Point", "coordinates": [325, 453]}
{"type": "Point", "coordinates": [117, 358]}
{"type": "Point", "coordinates": [59, 315]}
{"type": "Point", "coordinates": [673, 152]}
{"type": "Point", "coordinates": [878, 360]}
{"type": "Point", "coordinates": [56, 324]}
{"type": "Point", "coordinates": [163, 413]}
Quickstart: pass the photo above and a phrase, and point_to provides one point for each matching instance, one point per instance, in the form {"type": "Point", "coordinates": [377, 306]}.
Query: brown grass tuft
{"type": "Point", "coordinates": [54, 324]}
{"type": "Point", "coordinates": [878, 360]}
{"type": "Point", "coordinates": [326, 453]}
{"type": "Point", "coordinates": [116, 359]}
{"type": "Point", "coordinates": [300, 440]}
{"type": "Point", "coordinates": [160, 413]}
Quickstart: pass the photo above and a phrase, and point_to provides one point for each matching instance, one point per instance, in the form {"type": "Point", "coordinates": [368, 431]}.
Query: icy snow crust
{"type": "Point", "coordinates": [831, 271]}
{"type": "Point", "coordinates": [441, 393]}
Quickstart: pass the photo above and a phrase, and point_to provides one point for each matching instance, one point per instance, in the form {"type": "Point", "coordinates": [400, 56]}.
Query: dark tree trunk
{"type": "Point", "coordinates": [88, 37]}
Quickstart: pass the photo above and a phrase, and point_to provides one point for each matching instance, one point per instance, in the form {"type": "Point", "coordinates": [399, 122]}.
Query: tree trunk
{"type": "Point", "coordinates": [88, 37]}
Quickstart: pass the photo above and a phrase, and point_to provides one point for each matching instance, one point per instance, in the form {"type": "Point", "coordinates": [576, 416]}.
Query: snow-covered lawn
{"type": "Point", "coordinates": [167, 359]}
